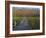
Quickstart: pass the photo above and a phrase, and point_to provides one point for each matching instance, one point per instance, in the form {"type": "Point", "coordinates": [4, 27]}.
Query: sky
{"type": "Point", "coordinates": [25, 8]}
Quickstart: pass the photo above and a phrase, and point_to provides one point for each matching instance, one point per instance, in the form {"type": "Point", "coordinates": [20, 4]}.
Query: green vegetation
{"type": "Point", "coordinates": [16, 20]}
{"type": "Point", "coordinates": [34, 22]}
{"type": "Point", "coordinates": [32, 15]}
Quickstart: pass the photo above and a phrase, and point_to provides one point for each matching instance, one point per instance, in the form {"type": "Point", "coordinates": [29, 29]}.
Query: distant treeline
{"type": "Point", "coordinates": [26, 12]}
{"type": "Point", "coordinates": [29, 15]}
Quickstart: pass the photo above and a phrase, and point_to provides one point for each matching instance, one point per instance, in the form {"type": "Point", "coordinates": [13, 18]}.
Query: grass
{"type": "Point", "coordinates": [34, 22]}
{"type": "Point", "coordinates": [16, 20]}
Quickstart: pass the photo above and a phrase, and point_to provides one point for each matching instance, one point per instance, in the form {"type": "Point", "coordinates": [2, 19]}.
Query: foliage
{"type": "Point", "coordinates": [16, 20]}
{"type": "Point", "coordinates": [34, 22]}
